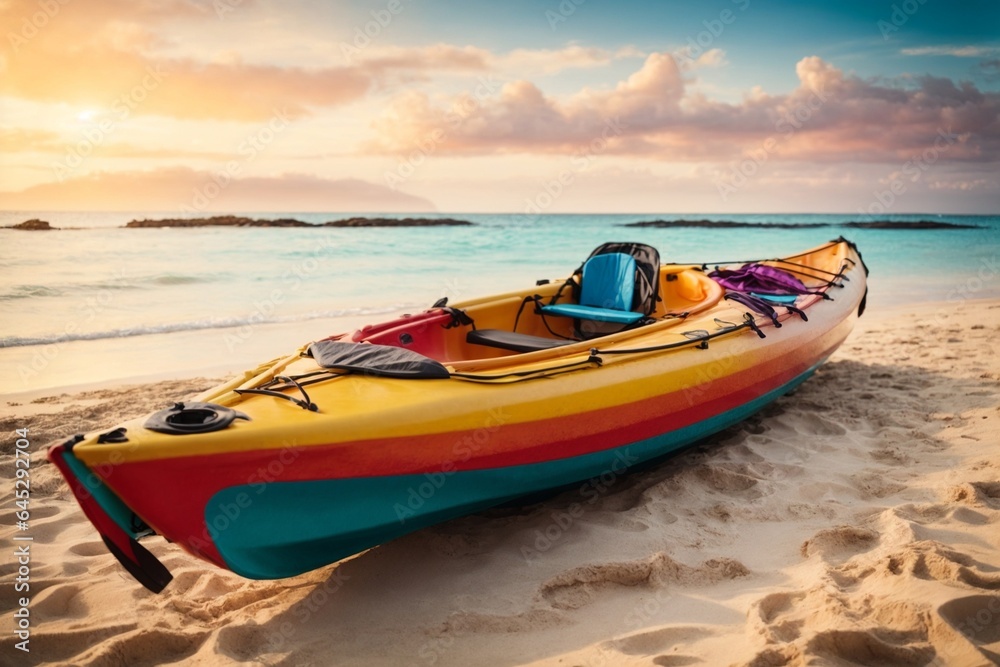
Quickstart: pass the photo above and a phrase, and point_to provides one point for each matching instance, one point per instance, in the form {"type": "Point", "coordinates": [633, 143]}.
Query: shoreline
{"type": "Point", "coordinates": [853, 521]}
{"type": "Point", "coordinates": [277, 339]}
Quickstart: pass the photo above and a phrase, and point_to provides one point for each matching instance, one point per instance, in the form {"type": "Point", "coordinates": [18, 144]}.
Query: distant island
{"type": "Point", "coordinates": [237, 221]}
{"type": "Point", "coordinates": [875, 224]}
{"type": "Point", "coordinates": [402, 222]}
{"type": "Point", "coordinates": [33, 225]}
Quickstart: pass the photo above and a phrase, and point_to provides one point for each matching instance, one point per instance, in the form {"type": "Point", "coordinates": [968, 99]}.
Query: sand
{"type": "Point", "coordinates": [856, 522]}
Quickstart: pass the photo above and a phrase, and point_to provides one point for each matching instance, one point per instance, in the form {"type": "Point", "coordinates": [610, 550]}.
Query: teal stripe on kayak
{"type": "Point", "coordinates": [281, 529]}
{"type": "Point", "coordinates": [106, 499]}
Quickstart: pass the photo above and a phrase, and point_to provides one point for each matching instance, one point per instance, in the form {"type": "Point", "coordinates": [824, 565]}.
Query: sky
{"type": "Point", "coordinates": [540, 106]}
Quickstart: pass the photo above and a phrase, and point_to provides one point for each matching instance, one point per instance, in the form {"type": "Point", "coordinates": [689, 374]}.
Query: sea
{"type": "Point", "coordinates": [95, 302]}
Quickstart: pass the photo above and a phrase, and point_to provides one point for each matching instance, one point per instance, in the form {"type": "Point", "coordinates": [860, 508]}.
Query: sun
{"type": "Point", "coordinates": [86, 115]}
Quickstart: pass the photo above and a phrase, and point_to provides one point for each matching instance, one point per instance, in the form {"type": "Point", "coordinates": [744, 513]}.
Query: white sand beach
{"type": "Point", "coordinates": [855, 522]}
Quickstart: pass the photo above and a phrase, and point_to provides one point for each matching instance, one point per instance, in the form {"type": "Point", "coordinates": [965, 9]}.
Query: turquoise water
{"type": "Point", "coordinates": [98, 290]}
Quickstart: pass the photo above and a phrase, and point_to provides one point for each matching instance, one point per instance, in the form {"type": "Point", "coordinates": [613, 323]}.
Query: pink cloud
{"type": "Point", "coordinates": [829, 116]}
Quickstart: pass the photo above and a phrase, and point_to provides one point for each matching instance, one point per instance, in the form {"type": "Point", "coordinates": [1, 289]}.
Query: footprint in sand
{"type": "Point", "coordinates": [873, 484]}
{"type": "Point", "coordinates": [970, 516]}
{"type": "Point", "coordinates": [649, 642]}
{"type": "Point", "coordinates": [67, 647]}
{"type": "Point", "coordinates": [977, 617]}
{"type": "Point", "coordinates": [730, 482]}
{"type": "Point", "coordinates": [859, 647]}
{"type": "Point", "coordinates": [463, 623]}
{"type": "Point", "coordinates": [839, 543]}
{"type": "Point", "coordinates": [147, 647]}
{"type": "Point", "coordinates": [770, 609]}
{"type": "Point", "coordinates": [930, 560]}
{"type": "Point", "coordinates": [89, 549]}
{"type": "Point", "coordinates": [60, 601]}
{"type": "Point", "coordinates": [981, 494]}
{"type": "Point", "coordinates": [580, 586]}
{"type": "Point", "coordinates": [243, 643]}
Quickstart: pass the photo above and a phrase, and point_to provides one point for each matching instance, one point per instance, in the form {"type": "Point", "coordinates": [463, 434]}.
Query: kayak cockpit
{"type": "Point", "coordinates": [525, 323]}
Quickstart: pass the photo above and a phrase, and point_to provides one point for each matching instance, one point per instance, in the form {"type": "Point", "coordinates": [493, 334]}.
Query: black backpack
{"type": "Point", "coordinates": [647, 273]}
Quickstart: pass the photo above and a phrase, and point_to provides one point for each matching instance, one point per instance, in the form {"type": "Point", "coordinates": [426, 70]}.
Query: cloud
{"type": "Point", "coordinates": [435, 57]}
{"type": "Point", "coordinates": [830, 115]}
{"type": "Point", "coordinates": [551, 61]}
{"type": "Point", "coordinates": [956, 51]}
{"type": "Point", "coordinates": [989, 69]}
{"type": "Point", "coordinates": [179, 189]}
{"type": "Point", "coordinates": [114, 52]}
{"type": "Point", "coordinates": [518, 62]}
{"type": "Point", "coordinates": [181, 88]}
{"type": "Point", "coordinates": [712, 58]}
{"type": "Point", "coordinates": [19, 140]}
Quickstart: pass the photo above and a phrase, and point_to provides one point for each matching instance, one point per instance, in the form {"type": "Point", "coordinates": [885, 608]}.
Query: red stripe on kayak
{"type": "Point", "coordinates": [175, 492]}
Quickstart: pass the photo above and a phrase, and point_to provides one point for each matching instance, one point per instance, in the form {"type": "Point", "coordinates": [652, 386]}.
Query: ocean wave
{"type": "Point", "coordinates": [178, 280]}
{"type": "Point", "coordinates": [30, 292]}
{"type": "Point", "coordinates": [853, 224]}
{"type": "Point", "coordinates": [253, 319]}
{"type": "Point", "coordinates": [64, 289]}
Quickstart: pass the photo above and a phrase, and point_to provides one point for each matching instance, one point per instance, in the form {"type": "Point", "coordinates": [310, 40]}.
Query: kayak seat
{"type": "Point", "coordinates": [509, 340]}
{"type": "Point", "coordinates": [607, 286]}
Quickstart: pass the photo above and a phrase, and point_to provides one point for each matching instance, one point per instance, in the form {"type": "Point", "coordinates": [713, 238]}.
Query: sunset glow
{"type": "Point", "coordinates": [393, 105]}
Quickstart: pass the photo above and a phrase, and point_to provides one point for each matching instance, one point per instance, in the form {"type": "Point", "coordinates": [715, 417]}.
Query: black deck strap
{"type": "Point", "coordinates": [753, 325]}
{"type": "Point", "coordinates": [593, 359]}
{"type": "Point", "coordinates": [305, 403]}
{"type": "Point", "coordinates": [854, 247]}
{"type": "Point", "coordinates": [459, 318]}
{"type": "Point", "coordinates": [755, 304]}
{"type": "Point", "coordinates": [274, 393]}
{"type": "Point", "coordinates": [702, 335]}
{"type": "Point", "coordinates": [809, 268]}
{"type": "Point", "coordinates": [536, 298]}
{"type": "Point", "coordinates": [568, 283]}
{"type": "Point", "coordinates": [440, 303]}
{"type": "Point", "coordinates": [832, 282]}
{"type": "Point", "coordinates": [798, 311]}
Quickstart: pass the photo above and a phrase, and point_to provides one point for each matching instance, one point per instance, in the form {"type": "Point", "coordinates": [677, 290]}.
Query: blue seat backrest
{"type": "Point", "coordinates": [608, 281]}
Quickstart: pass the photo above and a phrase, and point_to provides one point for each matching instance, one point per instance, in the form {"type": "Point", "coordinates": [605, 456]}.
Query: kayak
{"type": "Point", "coordinates": [354, 440]}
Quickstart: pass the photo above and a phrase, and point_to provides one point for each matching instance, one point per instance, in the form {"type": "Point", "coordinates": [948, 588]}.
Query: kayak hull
{"type": "Point", "coordinates": [288, 489]}
{"type": "Point", "coordinates": [274, 538]}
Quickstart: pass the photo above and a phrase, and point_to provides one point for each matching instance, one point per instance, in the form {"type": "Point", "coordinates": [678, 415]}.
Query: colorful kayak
{"type": "Point", "coordinates": [355, 440]}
